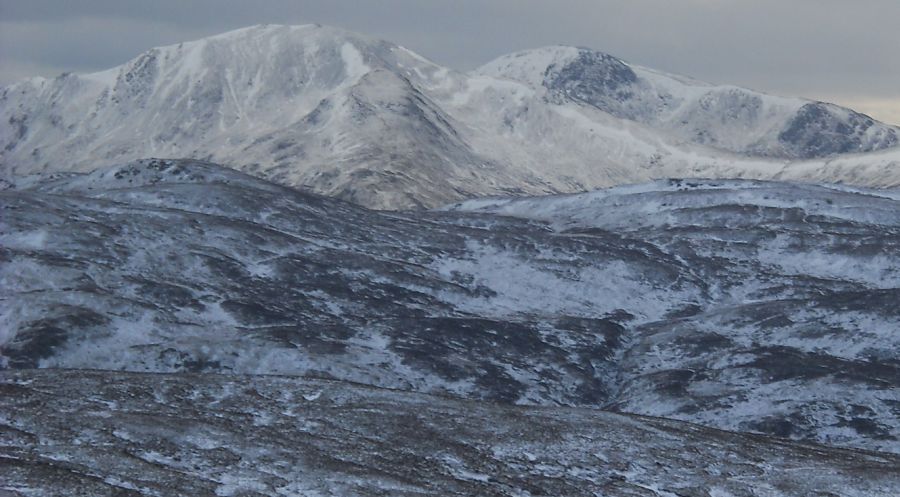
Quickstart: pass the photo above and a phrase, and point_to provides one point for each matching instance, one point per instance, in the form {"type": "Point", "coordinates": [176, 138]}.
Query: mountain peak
{"type": "Point", "coordinates": [280, 30]}
{"type": "Point", "coordinates": [259, 43]}
{"type": "Point", "coordinates": [528, 66]}
{"type": "Point", "coordinates": [343, 114]}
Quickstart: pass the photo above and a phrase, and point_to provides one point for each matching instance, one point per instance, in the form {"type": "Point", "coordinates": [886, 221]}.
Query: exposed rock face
{"type": "Point", "coordinates": [820, 130]}
{"type": "Point", "coordinates": [595, 79]}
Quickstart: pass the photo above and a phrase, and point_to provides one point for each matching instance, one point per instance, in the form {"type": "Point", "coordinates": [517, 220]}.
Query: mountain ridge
{"type": "Point", "coordinates": [372, 122]}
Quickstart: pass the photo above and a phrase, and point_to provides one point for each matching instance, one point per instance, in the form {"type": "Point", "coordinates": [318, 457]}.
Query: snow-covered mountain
{"type": "Point", "coordinates": [743, 305]}
{"type": "Point", "coordinates": [369, 121]}
{"type": "Point", "coordinates": [723, 117]}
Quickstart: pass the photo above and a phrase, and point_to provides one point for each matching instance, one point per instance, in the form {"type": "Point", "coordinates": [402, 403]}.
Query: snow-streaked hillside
{"type": "Point", "coordinates": [752, 306]}
{"type": "Point", "coordinates": [108, 433]}
{"type": "Point", "coordinates": [369, 121]}
{"type": "Point", "coordinates": [798, 340]}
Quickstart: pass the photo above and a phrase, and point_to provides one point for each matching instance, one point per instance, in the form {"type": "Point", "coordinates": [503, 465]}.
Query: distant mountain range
{"type": "Point", "coordinates": [372, 122]}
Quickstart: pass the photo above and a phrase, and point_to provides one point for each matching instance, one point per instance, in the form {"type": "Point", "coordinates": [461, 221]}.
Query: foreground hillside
{"type": "Point", "coordinates": [104, 433]}
{"type": "Point", "coordinates": [749, 306]}
{"type": "Point", "coordinates": [366, 120]}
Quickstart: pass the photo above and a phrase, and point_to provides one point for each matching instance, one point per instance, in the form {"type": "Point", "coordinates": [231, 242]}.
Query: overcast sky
{"type": "Point", "coordinates": [845, 51]}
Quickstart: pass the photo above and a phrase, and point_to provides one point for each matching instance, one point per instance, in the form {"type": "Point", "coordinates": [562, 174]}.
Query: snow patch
{"type": "Point", "coordinates": [354, 64]}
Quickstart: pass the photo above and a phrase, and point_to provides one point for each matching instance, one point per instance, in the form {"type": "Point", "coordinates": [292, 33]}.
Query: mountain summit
{"type": "Point", "coordinates": [372, 122]}
{"type": "Point", "coordinates": [723, 117]}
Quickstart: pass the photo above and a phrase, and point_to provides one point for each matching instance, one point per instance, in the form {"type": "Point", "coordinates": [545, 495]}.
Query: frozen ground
{"type": "Point", "coordinates": [752, 306]}
{"type": "Point", "coordinates": [105, 433]}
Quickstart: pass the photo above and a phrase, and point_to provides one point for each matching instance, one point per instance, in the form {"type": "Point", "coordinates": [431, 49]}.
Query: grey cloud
{"type": "Point", "coordinates": [812, 48]}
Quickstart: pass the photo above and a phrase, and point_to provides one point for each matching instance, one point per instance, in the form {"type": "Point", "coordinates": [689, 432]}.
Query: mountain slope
{"type": "Point", "coordinates": [368, 121]}
{"type": "Point", "coordinates": [111, 433]}
{"type": "Point", "coordinates": [789, 344]}
{"type": "Point", "coordinates": [305, 105]}
{"type": "Point", "coordinates": [198, 267]}
{"type": "Point", "coordinates": [765, 307]}
{"type": "Point", "coordinates": [723, 117]}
